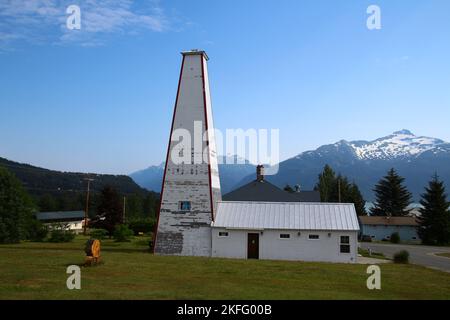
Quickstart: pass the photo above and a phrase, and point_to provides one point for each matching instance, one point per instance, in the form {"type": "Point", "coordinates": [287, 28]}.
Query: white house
{"type": "Point", "coordinates": [325, 232]}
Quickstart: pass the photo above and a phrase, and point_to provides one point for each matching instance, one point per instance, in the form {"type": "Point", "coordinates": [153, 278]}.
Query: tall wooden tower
{"type": "Point", "coordinates": [190, 189]}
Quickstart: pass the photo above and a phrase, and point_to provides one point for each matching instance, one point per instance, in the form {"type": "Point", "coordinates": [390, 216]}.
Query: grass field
{"type": "Point", "coordinates": [38, 271]}
{"type": "Point", "coordinates": [444, 254]}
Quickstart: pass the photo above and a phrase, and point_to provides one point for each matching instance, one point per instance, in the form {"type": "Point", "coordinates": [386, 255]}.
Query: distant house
{"type": "Point", "coordinates": [285, 231]}
{"type": "Point", "coordinates": [262, 190]}
{"type": "Point", "coordinates": [74, 219]}
{"type": "Point", "coordinates": [381, 228]}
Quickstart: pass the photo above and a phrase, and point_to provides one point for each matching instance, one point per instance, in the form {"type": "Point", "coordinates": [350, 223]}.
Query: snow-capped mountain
{"type": "Point", "coordinates": [400, 144]}
{"type": "Point", "coordinates": [417, 158]}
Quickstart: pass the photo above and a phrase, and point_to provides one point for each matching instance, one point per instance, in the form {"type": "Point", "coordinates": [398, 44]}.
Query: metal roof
{"type": "Point", "coordinates": [60, 215]}
{"type": "Point", "coordinates": [286, 215]}
{"type": "Point", "coordinates": [195, 52]}
{"type": "Point", "coordinates": [266, 191]}
{"type": "Point", "coordinates": [388, 221]}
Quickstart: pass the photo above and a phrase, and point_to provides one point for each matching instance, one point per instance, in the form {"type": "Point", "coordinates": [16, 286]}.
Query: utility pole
{"type": "Point", "coordinates": [339, 189]}
{"type": "Point", "coordinates": [124, 208]}
{"type": "Point", "coordinates": [87, 204]}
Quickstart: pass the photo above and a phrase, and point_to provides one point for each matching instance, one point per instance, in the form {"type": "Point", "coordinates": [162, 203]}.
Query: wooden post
{"type": "Point", "coordinates": [87, 204]}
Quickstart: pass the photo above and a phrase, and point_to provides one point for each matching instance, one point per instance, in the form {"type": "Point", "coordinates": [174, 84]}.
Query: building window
{"type": "Point", "coordinates": [313, 237]}
{"type": "Point", "coordinates": [223, 234]}
{"type": "Point", "coordinates": [184, 205]}
{"type": "Point", "coordinates": [345, 244]}
{"type": "Point", "coordinates": [285, 236]}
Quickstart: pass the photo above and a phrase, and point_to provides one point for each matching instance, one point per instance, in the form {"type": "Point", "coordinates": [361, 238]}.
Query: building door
{"type": "Point", "coordinates": [253, 246]}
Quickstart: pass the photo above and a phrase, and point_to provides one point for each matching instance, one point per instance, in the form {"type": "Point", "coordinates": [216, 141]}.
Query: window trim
{"type": "Point", "coordinates": [284, 238]}
{"type": "Point", "coordinates": [345, 244]}
{"type": "Point", "coordinates": [314, 235]}
{"type": "Point", "coordinates": [223, 236]}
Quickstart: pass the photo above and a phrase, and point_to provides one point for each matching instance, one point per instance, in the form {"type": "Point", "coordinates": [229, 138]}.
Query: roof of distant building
{"type": "Point", "coordinates": [388, 221]}
{"type": "Point", "coordinates": [60, 215]}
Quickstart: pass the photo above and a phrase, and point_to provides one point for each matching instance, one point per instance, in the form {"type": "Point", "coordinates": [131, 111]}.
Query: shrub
{"type": "Point", "coordinates": [142, 225]}
{"type": "Point", "coordinates": [395, 237]}
{"type": "Point", "coordinates": [401, 257]}
{"type": "Point", "coordinates": [99, 234]}
{"type": "Point", "coordinates": [61, 233]}
{"type": "Point", "coordinates": [37, 232]}
{"type": "Point", "coordinates": [122, 233]}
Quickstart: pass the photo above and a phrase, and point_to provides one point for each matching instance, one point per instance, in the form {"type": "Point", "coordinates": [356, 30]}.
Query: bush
{"type": "Point", "coordinates": [122, 233]}
{"type": "Point", "coordinates": [142, 225]}
{"type": "Point", "coordinates": [37, 232]}
{"type": "Point", "coordinates": [99, 234]}
{"type": "Point", "coordinates": [395, 237]}
{"type": "Point", "coordinates": [401, 257]}
{"type": "Point", "coordinates": [61, 233]}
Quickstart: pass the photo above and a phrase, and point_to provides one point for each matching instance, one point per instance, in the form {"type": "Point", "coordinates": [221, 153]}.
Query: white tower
{"type": "Point", "coordinates": [191, 185]}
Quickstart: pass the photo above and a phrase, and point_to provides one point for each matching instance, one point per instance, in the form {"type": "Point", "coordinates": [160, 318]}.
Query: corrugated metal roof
{"type": "Point", "coordinates": [286, 215]}
{"type": "Point", "coordinates": [389, 221]}
{"type": "Point", "coordinates": [60, 215]}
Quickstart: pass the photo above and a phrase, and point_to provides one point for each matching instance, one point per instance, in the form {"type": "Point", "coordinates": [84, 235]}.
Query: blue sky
{"type": "Point", "coordinates": [100, 99]}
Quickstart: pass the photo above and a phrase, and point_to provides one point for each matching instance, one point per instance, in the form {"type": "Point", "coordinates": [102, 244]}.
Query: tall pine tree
{"type": "Point", "coordinates": [392, 197]}
{"type": "Point", "coordinates": [111, 207]}
{"type": "Point", "coordinates": [326, 184]}
{"type": "Point", "coordinates": [434, 222]}
{"type": "Point", "coordinates": [339, 189]}
{"type": "Point", "coordinates": [16, 209]}
{"type": "Point", "coordinates": [356, 197]}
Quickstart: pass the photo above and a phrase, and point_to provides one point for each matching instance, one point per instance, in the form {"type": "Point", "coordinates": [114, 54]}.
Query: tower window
{"type": "Point", "coordinates": [184, 205]}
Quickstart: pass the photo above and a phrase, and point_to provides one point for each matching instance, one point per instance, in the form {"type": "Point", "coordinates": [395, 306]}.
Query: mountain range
{"type": "Point", "coordinates": [39, 181]}
{"type": "Point", "coordinates": [417, 158]}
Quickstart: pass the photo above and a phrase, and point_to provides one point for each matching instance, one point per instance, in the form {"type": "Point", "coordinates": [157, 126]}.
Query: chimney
{"type": "Point", "coordinates": [260, 173]}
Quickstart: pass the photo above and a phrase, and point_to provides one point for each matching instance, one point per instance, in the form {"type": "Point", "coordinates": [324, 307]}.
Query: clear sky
{"type": "Point", "coordinates": [100, 99]}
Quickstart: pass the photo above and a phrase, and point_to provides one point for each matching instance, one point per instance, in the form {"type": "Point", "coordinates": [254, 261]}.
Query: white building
{"type": "Point", "coordinates": [382, 228]}
{"type": "Point", "coordinates": [73, 220]}
{"type": "Point", "coordinates": [192, 219]}
{"type": "Point", "coordinates": [286, 231]}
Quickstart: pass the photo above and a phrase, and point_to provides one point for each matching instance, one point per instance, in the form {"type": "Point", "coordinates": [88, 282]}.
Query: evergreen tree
{"type": "Point", "coordinates": [339, 189]}
{"type": "Point", "coordinates": [434, 222]}
{"type": "Point", "coordinates": [150, 205]}
{"type": "Point", "coordinates": [16, 209]}
{"type": "Point", "coordinates": [356, 197]}
{"type": "Point", "coordinates": [392, 197]}
{"type": "Point", "coordinates": [326, 184]}
{"type": "Point", "coordinates": [111, 207]}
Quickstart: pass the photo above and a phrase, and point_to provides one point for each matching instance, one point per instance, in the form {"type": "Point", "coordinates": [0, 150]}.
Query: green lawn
{"type": "Point", "coordinates": [38, 271]}
{"type": "Point", "coordinates": [444, 254]}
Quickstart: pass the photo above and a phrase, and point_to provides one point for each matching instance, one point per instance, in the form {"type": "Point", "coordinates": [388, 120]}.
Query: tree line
{"type": "Point", "coordinates": [106, 209]}
{"type": "Point", "coordinates": [392, 198]}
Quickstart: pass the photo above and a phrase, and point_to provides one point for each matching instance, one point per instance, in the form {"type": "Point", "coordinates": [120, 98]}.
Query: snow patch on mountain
{"type": "Point", "coordinates": [400, 144]}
